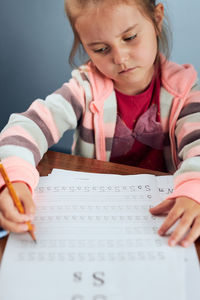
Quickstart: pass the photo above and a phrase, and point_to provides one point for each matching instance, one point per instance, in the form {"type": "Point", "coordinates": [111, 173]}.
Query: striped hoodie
{"type": "Point", "coordinates": [87, 103]}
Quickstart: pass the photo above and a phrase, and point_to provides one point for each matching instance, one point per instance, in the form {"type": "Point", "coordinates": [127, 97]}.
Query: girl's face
{"type": "Point", "coordinates": [122, 44]}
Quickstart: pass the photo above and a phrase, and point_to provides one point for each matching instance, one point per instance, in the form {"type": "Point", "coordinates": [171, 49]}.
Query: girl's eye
{"type": "Point", "coordinates": [132, 37]}
{"type": "Point", "coordinates": [101, 50]}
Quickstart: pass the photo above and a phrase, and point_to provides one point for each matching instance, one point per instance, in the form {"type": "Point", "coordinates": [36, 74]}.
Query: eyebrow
{"type": "Point", "coordinates": [125, 31]}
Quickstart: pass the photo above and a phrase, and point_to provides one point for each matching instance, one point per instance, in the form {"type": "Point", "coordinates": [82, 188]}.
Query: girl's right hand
{"type": "Point", "coordinates": [10, 218]}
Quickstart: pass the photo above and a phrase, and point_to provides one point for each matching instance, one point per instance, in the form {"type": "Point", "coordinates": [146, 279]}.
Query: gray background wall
{"type": "Point", "coordinates": [35, 40]}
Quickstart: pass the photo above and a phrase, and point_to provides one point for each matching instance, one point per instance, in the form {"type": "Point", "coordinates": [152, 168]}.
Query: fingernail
{"type": "Point", "coordinates": [24, 227]}
{"type": "Point", "coordinates": [31, 217]}
{"type": "Point", "coordinates": [160, 232]}
{"type": "Point", "coordinates": [26, 218]}
{"type": "Point", "coordinates": [185, 243]}
{"type": "Point", "coordinates": [172, 243]}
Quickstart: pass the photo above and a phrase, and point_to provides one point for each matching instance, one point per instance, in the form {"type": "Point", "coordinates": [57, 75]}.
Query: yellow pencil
{"type": "Point", "coordinates": [16, 200]}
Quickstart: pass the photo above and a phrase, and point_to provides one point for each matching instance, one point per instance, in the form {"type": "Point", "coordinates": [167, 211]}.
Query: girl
{"type": "Point", "coordinates": [128, 104]}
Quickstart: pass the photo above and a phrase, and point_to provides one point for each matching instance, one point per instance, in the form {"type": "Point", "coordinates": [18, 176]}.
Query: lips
{"type": "Point", "coordinates": [126, 70]}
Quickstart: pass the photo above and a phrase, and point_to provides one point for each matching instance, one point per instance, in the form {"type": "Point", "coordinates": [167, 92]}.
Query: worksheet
{"type": "Point", "coordinates": [96, 240]}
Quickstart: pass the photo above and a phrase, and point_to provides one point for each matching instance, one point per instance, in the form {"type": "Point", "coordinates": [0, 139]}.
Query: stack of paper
{"type": "Point", "coordinates": [96, 240]}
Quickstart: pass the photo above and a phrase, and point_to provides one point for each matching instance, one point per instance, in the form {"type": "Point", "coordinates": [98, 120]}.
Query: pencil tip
{"type": "Point", "coordinates": [33, 236]}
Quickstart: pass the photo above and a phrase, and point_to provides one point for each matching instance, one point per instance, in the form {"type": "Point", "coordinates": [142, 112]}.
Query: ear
{"type": "Point", "coordinates": [159, 16]}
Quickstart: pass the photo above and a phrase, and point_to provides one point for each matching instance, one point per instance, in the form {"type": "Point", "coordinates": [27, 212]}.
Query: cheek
{"type": "Point", "coordinates": [105, 69]}
{"type": "Point", "coordinates": [95, 59]}
{"type": "Point", "coordinates": [146, 53]}
{"type": "Point", "coordinates": [102, 64]}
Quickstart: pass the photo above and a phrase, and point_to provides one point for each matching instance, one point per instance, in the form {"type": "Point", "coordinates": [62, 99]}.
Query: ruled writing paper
{"type": "Point", "coordinates": [96, 240]}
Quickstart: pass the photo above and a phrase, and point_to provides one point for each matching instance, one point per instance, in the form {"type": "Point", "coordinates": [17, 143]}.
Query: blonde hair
{"type": "Point", "coordinates": [74, 8]}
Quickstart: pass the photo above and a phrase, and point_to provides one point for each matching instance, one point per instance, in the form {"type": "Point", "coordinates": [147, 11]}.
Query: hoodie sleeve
{"type": "Point", "coordinates": [28, 135]}
{"type": "Point", "coordinates": [187, 132]}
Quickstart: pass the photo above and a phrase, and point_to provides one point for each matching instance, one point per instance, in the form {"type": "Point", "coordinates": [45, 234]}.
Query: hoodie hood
{"type": "Point", "coordinates": [177, 79]}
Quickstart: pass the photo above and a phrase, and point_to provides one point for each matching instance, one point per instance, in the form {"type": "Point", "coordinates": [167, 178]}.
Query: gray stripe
{"type": "Point", "coordinates": [20, 141]}
{"type": "Point", "coordinates": [191, 137]}
{"type": "Point", "coordinates": [87, 135]}
{"type": "Point", "coordinates": [84, 77]}
{"type": "Point", "coordinates": [109, 142]}
{"type": "Point", "coordinates": [67, 94]}
{"type": "Point", "coordinates": [32, 115]}
{"type": "Point", "coordinates": [191, 108]}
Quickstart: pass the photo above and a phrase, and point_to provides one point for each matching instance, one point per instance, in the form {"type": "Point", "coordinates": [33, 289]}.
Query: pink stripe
{"type": "Point", "coordinates": [20, 170]}
{"type": "Point", "coordinates": [187, 185]}
{"type": "Point", "coordinates": [186, 129]}
{"type": "Point", "coordinates": [193, 152]}
{"type": "Point", "coordinates": [185, 177]}
{"type": "Point", "coordinates": [78, 91]}
{"type": "Point", "coordinates": [192, 98]}
{"type": "Point", "coordinates": [17, 130]}
{"type": "Point", "coordinates": [188, 189]}
{"type": "Point", "coordinates": [46, 117]}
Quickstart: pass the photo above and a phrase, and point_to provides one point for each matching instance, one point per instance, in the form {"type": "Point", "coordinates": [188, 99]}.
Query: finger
{"type": "Point", "coordinates": [25, 197]}
{"type": "Point", "coordinates": [29, 205]}
{"type": "Point", "coordinates": [12, 226]}
{"type": "Point", "coordinates": [170, 220]}
{"type": "Point", "coordinates": [193, 234]}
{"type": "Point", "coordinates": [181, 229]}
{"type": "Point", "coordinates": [162, 207]}
{"type": "Point", "coordinates": [10, 212]}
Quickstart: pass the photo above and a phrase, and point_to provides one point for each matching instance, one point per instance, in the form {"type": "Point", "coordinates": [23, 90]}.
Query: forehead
{"type": "Point", "coordinates": [107, 20]}
{"type": "Point", "coordinates": [76, 6]}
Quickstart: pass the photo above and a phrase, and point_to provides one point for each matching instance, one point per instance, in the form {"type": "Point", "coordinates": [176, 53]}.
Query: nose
{"type": "Point", "coordinates": [120, 55]}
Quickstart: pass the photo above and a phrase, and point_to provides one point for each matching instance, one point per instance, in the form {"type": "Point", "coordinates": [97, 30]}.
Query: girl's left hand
{"type": "Point", "coordinates": [188, 228]}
